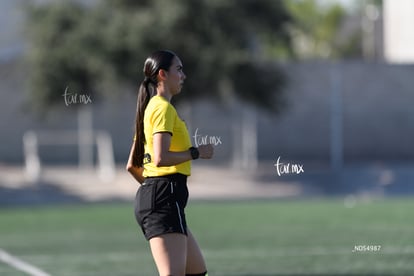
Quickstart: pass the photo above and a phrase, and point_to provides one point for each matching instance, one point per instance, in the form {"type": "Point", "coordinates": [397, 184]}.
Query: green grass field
{"type": "Point", "coordinates": [302, 237]}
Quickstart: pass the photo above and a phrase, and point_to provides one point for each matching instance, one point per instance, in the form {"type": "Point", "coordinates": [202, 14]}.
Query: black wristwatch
{"type": "Point", "coordinates": [194, 153]}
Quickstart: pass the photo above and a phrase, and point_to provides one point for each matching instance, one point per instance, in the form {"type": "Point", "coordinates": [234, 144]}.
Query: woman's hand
{"type": "Point", "coordinates": [135, 171]}
{"type": "Point", "coordinates": [206, 151]}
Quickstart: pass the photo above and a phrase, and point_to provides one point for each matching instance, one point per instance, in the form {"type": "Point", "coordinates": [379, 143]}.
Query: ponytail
{"type": "Point", "coordinates": [148, 88]}
{"type": "Point", "coordinates": [146, 91]}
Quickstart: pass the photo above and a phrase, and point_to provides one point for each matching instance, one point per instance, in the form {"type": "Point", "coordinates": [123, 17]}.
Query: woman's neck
{"type": "Point", "coordinates": [164, 93]}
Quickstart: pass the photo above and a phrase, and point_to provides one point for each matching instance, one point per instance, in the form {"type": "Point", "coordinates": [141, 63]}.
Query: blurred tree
{"type": "Point", "coordinates": [94, 48]}
{"type": "Point", "coordinates": [318, 31]}
{"type": "Point", "coordinates": [58, 59]}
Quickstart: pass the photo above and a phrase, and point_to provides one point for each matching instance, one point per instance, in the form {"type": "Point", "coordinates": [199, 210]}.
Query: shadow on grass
{"type": "Point", "coordinates": [42, 193]}
{"type": "Point", "coordinates": [35, 194]}
{"type": "Point", "coordinates": [381, 179]}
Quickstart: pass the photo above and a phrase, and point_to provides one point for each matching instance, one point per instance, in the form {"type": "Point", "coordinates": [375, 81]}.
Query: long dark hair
{"type": "Point", "coordinates": [158, 60]}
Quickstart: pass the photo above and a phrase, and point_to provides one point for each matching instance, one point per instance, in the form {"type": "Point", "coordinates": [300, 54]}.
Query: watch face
{"type": "Point", "coordinates": [194, 153]}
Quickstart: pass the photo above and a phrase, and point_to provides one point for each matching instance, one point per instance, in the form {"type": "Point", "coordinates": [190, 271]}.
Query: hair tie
{"type": "Point", "coordinates": [148, 80]}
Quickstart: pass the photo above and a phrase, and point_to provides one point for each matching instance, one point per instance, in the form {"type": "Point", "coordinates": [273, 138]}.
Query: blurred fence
{"type": "Point", "coordinates": [360, 110]}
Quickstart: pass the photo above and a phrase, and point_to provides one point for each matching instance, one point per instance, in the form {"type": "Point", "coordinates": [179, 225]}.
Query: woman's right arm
{"type": "Point", "coordinates": [164, 157]}
{"type": "Point", "coordinates": [135, 171]}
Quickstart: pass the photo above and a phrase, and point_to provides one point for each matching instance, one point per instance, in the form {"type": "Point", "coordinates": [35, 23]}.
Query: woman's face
{"type": "Point", "coordinates": [176, 76]}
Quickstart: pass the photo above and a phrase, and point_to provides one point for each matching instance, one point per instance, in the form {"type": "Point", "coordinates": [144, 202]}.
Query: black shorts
{"type": "Point", "coordinates": [160, 203]}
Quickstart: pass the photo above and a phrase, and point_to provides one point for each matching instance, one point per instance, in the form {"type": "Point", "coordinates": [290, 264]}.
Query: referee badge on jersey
{"type": "Point", "coordinates": [147, 158]}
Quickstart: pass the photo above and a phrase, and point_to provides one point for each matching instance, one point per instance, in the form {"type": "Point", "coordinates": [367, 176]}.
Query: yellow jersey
{"type": "Point", "coordinates": [161, 116]}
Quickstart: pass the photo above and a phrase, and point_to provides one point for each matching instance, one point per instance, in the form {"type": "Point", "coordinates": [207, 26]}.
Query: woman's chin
{"type": "Point", "coordinates": [178, 91]}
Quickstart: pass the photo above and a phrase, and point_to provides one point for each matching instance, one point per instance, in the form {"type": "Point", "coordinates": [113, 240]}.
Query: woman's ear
{"type": "Point", "coordinates": [162, 74]}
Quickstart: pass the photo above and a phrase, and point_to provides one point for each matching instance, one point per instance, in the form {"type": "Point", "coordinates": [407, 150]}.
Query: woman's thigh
{"type": "Point", "coordinates": [170, 253]}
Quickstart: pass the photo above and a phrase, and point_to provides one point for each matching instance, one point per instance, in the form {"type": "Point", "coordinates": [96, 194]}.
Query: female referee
{"type": "Point", "coordinates": [160, 159]}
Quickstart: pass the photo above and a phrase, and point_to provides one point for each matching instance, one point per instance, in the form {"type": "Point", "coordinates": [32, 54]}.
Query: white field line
{"type": "Point", "coordinates": [21, 265]}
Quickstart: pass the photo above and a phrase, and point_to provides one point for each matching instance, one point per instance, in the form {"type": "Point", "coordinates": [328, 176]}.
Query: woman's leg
{"type": "Point", "coordinates": [170, 254]}
{"type": "Point", "coordinates": [195, 260]}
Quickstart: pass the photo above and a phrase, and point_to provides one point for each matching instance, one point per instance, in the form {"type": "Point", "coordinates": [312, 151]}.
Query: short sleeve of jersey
{"type": "Point", "coordinates": [163, 118]}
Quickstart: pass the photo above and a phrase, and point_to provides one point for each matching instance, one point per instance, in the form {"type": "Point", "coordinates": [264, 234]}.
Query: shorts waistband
{"type": "Point", "coordinates": [170, 177]}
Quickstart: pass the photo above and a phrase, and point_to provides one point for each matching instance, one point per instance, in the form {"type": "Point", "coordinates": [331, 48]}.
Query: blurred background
{"type": "Point", "coordinates": [321, 85]}
{"type": "Point", "coordinates": [324, 84]}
